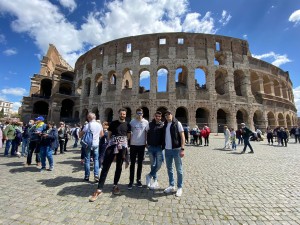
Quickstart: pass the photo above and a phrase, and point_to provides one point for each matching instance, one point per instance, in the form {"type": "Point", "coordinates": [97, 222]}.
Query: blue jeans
{"type": "Point", "coordinates": [76, 142]}
{"type": "Point", "coordinates": [7, 147]}
{"type": "Point", "coordinates": [46, 151]}
{"type": "Point", "coordinates": [247, 143]}
{"type": "Point", "coordinates": [170, 155]}
{"type": "Point", "coordinates": [25, 142]}
{"type": "Point", "coordinates": [156, 159]}
{"type": "Point", "coordinates": [87, 159]}
{"type": "Point", "coordinates": [233, 144]}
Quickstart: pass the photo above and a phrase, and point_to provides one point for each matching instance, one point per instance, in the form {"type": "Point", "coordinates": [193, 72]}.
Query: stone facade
{"type": "Point", "coordinates": [237, 87]}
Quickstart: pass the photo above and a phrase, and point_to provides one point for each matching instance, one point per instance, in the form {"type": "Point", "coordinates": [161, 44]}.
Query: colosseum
{"type": "Point", "coordinates": [201, 78]}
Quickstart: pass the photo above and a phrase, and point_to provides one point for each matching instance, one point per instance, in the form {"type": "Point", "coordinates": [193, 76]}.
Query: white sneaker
{"type": "Point", "coordinates": [179, 192]}
{"type": "Point", "coordinates": [155, 185]}
{"type": "Point", "coordinates": [169, 189]}
{"type": "Point", "coordinates": [148, 180]}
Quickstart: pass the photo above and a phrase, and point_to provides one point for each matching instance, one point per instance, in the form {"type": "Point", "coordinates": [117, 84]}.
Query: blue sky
{"type": "Point", "coordinates": [272, 28]}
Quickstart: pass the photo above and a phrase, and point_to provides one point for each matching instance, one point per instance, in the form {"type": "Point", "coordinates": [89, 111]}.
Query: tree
{"type": "Point", "coordinates": [2, 113]}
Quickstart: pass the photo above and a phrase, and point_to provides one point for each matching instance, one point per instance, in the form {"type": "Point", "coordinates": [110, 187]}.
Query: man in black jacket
{"type": "Point", "coordinates": [174, 150]}
{"type": "Point", "coordinates": [154, 142]}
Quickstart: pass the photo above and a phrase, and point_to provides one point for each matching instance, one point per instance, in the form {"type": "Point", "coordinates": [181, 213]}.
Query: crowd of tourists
{"type": "Point", "coordinates": [125, 142]}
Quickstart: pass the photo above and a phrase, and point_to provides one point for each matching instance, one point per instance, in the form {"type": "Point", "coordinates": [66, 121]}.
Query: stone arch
{"type": "Point", "coordinates": [255, 83]}
{"type": "Point", "coordinates": [145, 61]}
{"type": "Point", "coordinates": [182, 115]}
{"type": "Point", "coordinates": [89, 68]}
{"type": "Point", "coordinates": [276, 88]}
{"type": "Point", "coordinates": [181, 76]}
{"type": "Point", "coordinates": [79, 87]}
{"type": "Point", "coordinates": [98, 83]}
{"type": "Point", "coordinates": [222, 119]}
{"type": "Point", "coordinates": [267, 85]}
{"type": "Point", "coordinates": [96, 111]}
{"type": "Point", "coordinates": [271, 120]}
{"type": "Point", "coordinates": [281, 120]}
{"type": "Point", "coordinates": [284, 89]}
{"type": "Point", "coordinates": [66, 111]}
{"type": "Point", "coordinates": [65, 88]}
{"type": "Point", "coordinates": [108, 115]}
{"type": "Point", "coordinates": [200, 78]}
{"type": "Point", "coordinates": [288, 121]}
{"type": "Point", "coordinates": [202, 116]}
{"type": "Point", "coordinates": [146, 113]}
{"type": "Point", "coordinates": [112, 78]}
{"type": "Point", "coordinates": [239, 83]}
{"type": "Point", "coordinates": [84, 114]}
{"type": "Point", "coordinates": [258, 120]}
{"type": "Point", "coordinates": [128, 114]}
{"type": "Point", "coordinates": [144, 81]}
{"type": "Point", "coordinates": [221, 86]}
{"type": "Point", "coordinates": [40, 108]}
{"type": "Point", "coordinates": [46, 88]}
{"type": "Point", "coordinates": [127, 79]}
{"type": "Point", "coordinates": [87, 87]}
{"type": "Point", "coordinates": [162, 79]}
{"type": "Point", "coordinates": [67, 76]}
{"type": "Point", "coordinates": [242, 116]}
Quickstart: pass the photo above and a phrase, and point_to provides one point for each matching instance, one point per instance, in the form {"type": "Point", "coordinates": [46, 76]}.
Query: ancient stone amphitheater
{"type": "Point", "coordinates": [201, 78]}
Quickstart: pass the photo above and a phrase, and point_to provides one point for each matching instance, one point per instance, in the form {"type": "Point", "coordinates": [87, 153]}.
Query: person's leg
{"type": "Point", "coordinates": [140, 154]}
{"type": "Point", "coordinates": [96, 161]}
{"type": "Point", "coordinates": [61, 145]}
{"type": "Point", "coordinates": [50, 157]}
{"type": "Point", "coordinates": [108, 159]}
{"type": "Point", "coordinates": [169, 162]}
{"type": "Point", "coordinates": [119, 163]}
{"type": "Point", "coordinates": [43, 150]}
{"type": "Point", "coordinates": [65, 144]}
{"type": "Point", "coordinates": [7, 147]}
{"type": "Point", "coordinates": [87, 162]}
{"type": "Point", "coordinates": [133, 154]}
{"type": "Point", "coordinates": [178, 166]}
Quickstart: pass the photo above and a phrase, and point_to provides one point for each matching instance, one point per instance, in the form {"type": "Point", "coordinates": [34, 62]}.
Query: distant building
{"type": "Point", "coordinates": [6, 107]}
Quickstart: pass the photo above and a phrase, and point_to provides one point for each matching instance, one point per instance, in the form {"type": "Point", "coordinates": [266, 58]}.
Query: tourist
{"type": "Point", "coordinates": [117, 147]}
{"type": "Point", "coordinates": [233, 138]}
{"type": "Point", "coordinates": [206, 137]}
{"type": "Point", "coordinates": [174, 150]}
{"type": "Point", "coordinates": [137, 147]}
{"type": "Point", "coordinates": [227, 137]}
{"type": "Point", "coordinates": [246, 132]}
{"type": "Point", "coordinates": [62, 134]}
{"type": "Point", "coordinates": [154, 142]}
{"type": "Point", "coordinates": [270, 135]}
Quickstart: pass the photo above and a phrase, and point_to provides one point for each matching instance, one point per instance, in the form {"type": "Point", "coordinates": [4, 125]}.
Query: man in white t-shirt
{"type": "Point", "coordinates": [137, 147]}
{"type": "Point", "coordinates": [97, 131]}
{"type": "Point", "coordinates": [174, 150]}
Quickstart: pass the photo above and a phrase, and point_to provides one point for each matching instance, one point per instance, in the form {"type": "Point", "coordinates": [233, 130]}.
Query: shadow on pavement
{"type": "Point", "coordinates": [58, 181]}
{"type": "Point", "coordinates": [25, 169]}
{"type": "Point", "coordinates": [74, 163]}
{"type": "Point", "coordinates": [222, 149]}
{"type": "Point", "coordinates": [14, 164]}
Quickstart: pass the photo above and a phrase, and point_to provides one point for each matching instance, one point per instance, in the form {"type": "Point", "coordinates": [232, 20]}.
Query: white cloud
{"type": "Point", "coordinates": [245, 36]}
{"type": "Point", "coordinates": [144, 75]}
{"type": "Point", "coordinates": [10, 52]}
{"type": "Point", "coordinates": [2, 38]}
{"type": "Point", "coordinates": [295, 17]}
{"type": "Point", "coordinates": [69, 4]}
{"type": "Point", "coordinates": [117, 19]}
{"type": "Point", "coordinates": [225, 18]}
{"type": "Point", "coordinates": [13, 91]}
{"type": "Point", "coordinates": [278, 60]}
{"type": "Point", "coordinates": [16, 106]}
{"type": "Point", "coordinates": [296, 92]}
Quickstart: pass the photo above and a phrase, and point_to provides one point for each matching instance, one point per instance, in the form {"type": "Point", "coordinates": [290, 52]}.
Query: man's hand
{"type": "Point", "coordinates": [181, 153]}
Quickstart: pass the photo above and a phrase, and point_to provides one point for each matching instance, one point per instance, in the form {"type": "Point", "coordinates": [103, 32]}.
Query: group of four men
{"type": "Point", "coordinates": [156, 135]}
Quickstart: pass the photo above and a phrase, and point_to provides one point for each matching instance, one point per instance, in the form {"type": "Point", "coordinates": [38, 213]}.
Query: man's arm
{"type": "Point", "coordinates": [182, 139]}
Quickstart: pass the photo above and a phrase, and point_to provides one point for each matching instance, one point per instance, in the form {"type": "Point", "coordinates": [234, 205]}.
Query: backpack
{"type": "Point", "coordinates": [87, 139]}
{"type": "Point", "coordinates": [74, 132]}
{"type": "Point", "coordinates": [18, 137]}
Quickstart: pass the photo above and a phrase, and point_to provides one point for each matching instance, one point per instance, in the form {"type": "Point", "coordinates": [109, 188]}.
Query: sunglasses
{"type": "Point", "coordinates": [139, 113]}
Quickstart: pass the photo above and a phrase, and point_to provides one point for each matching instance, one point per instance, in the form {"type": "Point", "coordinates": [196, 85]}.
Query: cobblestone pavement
{"type": "Point", "coordinates": [220, 187]}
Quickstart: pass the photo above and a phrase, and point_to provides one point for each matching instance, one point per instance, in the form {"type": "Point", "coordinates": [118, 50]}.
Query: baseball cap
{"type": "Point", "coordinates": [40, 118]}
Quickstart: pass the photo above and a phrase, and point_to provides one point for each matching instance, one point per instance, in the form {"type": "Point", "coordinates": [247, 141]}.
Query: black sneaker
{"type": "Point", "coordinates": [139, 184]}
{"type": "Point", "coordinates": [250, 152]}
{"type": "Point", "coordinates": [86, 179]}
{"type": "Point", "coordinates": [129, 187]}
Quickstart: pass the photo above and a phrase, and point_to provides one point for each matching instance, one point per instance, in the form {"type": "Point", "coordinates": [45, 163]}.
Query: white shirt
{"type": "Point", "coordinates": [138, 132]}
{"type": "Point", "coordinates": [96, 128]}
{"type": "Point", "coordinates": [168, 134]}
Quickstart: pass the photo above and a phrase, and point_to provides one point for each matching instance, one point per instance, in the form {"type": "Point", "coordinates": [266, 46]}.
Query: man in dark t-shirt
{"type": "Point", "coordinates": [118, 136]}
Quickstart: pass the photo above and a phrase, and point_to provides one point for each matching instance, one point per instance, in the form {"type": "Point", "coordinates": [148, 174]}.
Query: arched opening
{"type": "Point", "coordinates": [113, 79]}
{"type": "Point", "coordinates": [66, 111]}
{"type": "Point", "coordinates": [284, 91]}
{"type": "Point", "coordinates": [181, 76]}
{"type": "Point", "coordinates": [46, 88]}
{"type": "Point", "coordinates": [221, 120]}
{"type": "Point", "coordinates": [288, 121]}
{"type": "Point", "coordinates": [276, 88]}
{"type": "Point", "coordinates": [79, 87]}
{"type": "Point", "coordinates": [96, 111]}
{"type": "Point", "coordinates": [128, 114]}
{"type": "Point", "coordinates": [108, 115]}
{"type": "Point", "coordinates": [267, 85]}
{"type": "Point", "coordinates": [239, 83]}
{"type": "Point", "coordinates": [271, 120]}
{"type": "Point", "coordinates": [182, 115]}
{"type": "Point", "coordinates": [162, 80]}
{"type": "Point", "coordinates": [127, 79]}
{"type": "Point", "coordinates": [146, 113]}
{"type": "Point", "coordinates": [67, 76]}
{"type": "Point", "coordinates": [220, 84]}
{"type": "Point", "coordinates": [241, 116]}
{"type": "Point", "coordinates": [144, 81]}
{"type": "Point", "coordinates": [40, 108]}
{"type": "Point", "coordinates": [98, 84]}
{"type": "Point", "coordinates": [200, 79]}
{"type": "Point", "coordinates": [65, 89]}
{"type": "Point", "coordinates": [258, 120]}
{"type": "Point", "coordinates": [84, 115]}
{"type": "Point", "coordinates": [202, 116]}
{"type": "Point", "coordinates": [281, 120]}
{"type": "Point", "coordinates": [87, 87]}
{"type": "Point", "coordinates": [255, 84]}
{"type": "Point", "coordinates": [220, 59]}
{"type": "Point", "coordinates": [145, 61]}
